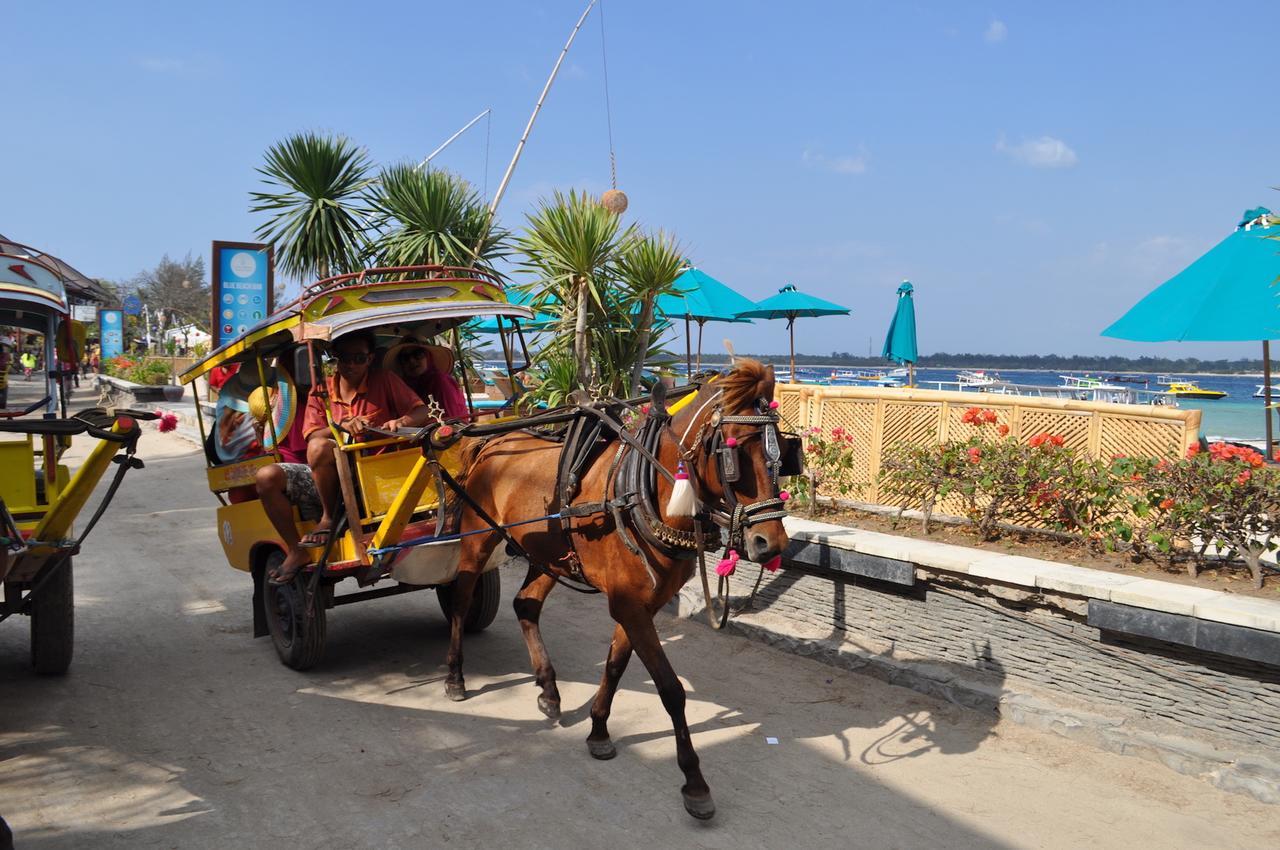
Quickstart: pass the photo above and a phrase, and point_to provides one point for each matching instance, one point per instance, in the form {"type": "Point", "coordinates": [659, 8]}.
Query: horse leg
{"type": "Point", "coordinates": [638, 623]}
{"type": "Point", "coordinates": [599, 743]}
{"type": "Point", "coordinates": [528, 604]}
{"type": "Point", "coordinates": [475, 552]}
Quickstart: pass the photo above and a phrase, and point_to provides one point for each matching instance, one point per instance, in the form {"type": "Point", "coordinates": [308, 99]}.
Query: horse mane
{"type": "Point", "coordinates": [748, 381]}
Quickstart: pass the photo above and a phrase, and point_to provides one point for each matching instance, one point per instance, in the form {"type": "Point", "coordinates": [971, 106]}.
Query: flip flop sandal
{"type": "Point", "coordinates": [280, 578]}
{"type": "Point", "coordinates": [315, 539]}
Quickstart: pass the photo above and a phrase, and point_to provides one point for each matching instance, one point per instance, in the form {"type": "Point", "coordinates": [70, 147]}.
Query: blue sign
{"type": "Point", "coordinates": [111, 332]}
{"type": "Point", "coordinates": [241, 288]}
{"type": "Point", "coordinates": [132, 305]}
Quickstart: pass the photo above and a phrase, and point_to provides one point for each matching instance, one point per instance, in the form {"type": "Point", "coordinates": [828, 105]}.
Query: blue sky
{"type": "Point", "coordinates": [1033, 169]}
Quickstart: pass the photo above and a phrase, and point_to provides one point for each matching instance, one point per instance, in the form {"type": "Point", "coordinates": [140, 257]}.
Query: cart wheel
{"type": "Point", "coordinates": [297, 629]}
{"type": "Point", "coordinates": [484, 601]}
{"type": "Point", "coordinates": [53, 624]}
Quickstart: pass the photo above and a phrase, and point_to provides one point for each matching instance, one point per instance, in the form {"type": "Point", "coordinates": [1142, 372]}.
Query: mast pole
{"type": "Point", "coordinates": [451, 139]}
{"type": "Point", "coordinates": [506, 178]}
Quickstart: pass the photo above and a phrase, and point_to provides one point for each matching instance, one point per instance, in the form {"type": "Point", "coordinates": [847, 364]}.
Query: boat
{"type": "Point", "coordinates": [969, 378]}
{"type": "Point", "coordinates": [1129, 379]}
{"type": "Point", "coordinates": [1188, 389]}
{"type": "Point", "coordinates": [874, 377]}
{"type": "Point", "coordinates": [1261, 392]}
{"type": "Point", "coordinates": [1089, 388]}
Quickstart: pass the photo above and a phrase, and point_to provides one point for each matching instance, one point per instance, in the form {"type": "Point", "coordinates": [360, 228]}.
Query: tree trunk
{"type": "Point", "coordinates": [646, 326]}
{"type": "Point", "coordinates": [581, 346]}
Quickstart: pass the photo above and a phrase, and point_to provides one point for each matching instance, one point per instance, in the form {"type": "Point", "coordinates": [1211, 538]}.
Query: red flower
{"type": "Point", "coordinates": [1244, 476]}
{"type": "Point", "coordinates": [1037, 441]}
{"type": "Point", "coordinates": [1193, 450]}
{"type": "Point", "coordinates": [989, 417]}
{"type": "Point", "coordinates": [1003, 430]}
{"type": "Point", "coordinates": [1057, 440]}
{"type": "Point", "coordinates": [975, 454]}
{"type": "Point", "coordinates": [1167, 503]}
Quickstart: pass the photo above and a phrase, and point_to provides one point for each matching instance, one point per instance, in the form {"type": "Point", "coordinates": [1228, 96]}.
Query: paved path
{"type": "Point", "coordinates": [175, 728]}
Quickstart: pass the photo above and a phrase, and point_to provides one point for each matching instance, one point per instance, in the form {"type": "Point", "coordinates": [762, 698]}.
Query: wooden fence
{"type": "Point", "coordinates": [878, 419]}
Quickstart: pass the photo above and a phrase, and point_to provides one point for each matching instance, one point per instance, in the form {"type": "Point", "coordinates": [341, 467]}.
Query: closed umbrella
{"type": "Point", "coordinates": [1228, 294]}
{"type": "Point", "coordinates": [790, 304]}
{"type": "Point", "coordinates": [900, 342]}
{"type": "Point", "coordinates": [699, 297]}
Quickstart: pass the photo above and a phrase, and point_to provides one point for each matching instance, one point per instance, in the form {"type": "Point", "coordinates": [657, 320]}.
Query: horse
{"type": "Point", "coordinates": [622, 537]}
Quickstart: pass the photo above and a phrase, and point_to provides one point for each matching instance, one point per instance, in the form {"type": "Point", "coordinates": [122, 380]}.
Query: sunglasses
{"type": "Point", "coordinates": [354, 358]}
{"type": "Point", "coordinates": [417, 354]}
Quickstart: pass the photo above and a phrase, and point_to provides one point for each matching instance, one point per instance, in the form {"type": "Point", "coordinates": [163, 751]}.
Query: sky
{"type": "Point", "coordinates": [1033, 169]}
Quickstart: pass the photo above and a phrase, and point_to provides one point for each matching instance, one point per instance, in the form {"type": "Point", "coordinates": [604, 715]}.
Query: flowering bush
{"type": "Point", "coordinates": [1225, 497]}
{"type": "Point", "coordinates": [150, 371]}
{"type": "Point", "coordinates": [828, 465]}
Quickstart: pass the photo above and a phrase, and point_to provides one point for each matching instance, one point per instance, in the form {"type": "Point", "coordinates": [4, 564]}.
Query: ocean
{"type": "Point", "coordinates": [1238, 416]}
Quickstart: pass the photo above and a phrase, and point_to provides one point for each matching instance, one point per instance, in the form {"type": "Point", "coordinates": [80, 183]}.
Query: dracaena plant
{"type": "Point", "coordinates": [317, 220]}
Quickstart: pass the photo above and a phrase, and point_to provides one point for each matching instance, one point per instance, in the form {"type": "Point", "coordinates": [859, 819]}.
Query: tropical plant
{"type": "Point", "coordinates": [317, 225]}
{"type": "Point", "coordinates": [431, 217]}
{"type": "Point", "coordinates": [570, 244]}
{"type": "Point", "coordinates": [647, 266]}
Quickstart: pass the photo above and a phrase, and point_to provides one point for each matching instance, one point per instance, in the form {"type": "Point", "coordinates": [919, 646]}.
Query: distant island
{"type": "Point", "coordinates": [1046, 362]}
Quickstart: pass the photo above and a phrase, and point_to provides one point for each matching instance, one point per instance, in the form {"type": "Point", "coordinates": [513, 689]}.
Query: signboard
{"type": "Point", "coordinates": [84, 312]}
{"type": "Point", "coordinates": [132, 305]}
{"type": "Point", "coordinates": [111, 332]}
{"type": "Point", "coordinates": [243, 277]}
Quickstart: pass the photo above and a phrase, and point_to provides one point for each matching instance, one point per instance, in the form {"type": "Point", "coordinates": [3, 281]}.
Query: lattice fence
{"type": "Point", "coordinates": [879, 419]}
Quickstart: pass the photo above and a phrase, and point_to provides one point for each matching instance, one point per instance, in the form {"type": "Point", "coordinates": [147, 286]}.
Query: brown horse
{"type": "Point", "coordinates": [513, 478]}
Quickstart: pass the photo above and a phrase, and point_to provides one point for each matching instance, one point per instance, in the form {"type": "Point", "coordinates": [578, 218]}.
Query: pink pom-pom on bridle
{"type": "Point", "coordinates": [168, 422]}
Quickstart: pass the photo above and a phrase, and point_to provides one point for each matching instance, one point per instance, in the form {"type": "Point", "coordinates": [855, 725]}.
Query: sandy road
{"type": "Point", "coordinates": [175, 728]}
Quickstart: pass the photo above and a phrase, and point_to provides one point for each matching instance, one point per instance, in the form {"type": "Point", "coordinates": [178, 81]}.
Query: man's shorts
{"type": "Point", "coordinates": [300, 488]}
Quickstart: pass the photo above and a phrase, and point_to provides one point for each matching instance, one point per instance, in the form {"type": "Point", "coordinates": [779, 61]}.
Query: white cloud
{"type": "Point", "coordinates": [996, 32]}
{"type": "Point", "coordinates": [847, 164]}
{"type": "Point", "coordinates": [1044, 152]}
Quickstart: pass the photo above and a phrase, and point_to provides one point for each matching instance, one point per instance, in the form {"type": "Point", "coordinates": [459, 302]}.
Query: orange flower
{"type": "Point", "coordinates": [1167, 503]}
{"type": "Point", "coordinates": [1003, 430]}
{"type": "Point", "coordinates": [1244, 476]}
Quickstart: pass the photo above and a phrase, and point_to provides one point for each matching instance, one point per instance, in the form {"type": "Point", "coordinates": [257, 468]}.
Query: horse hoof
{"type": "Point", "coordinates": [701, 808]}
{"type": "Point", "coordinates": [603, 750]}
{"type": "Point", "coordinates": [549, 707]}
{"type": "Point", "coordinates": [455, 691]}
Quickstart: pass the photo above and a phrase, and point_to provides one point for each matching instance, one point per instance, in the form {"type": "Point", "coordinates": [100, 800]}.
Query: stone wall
{"type": "Point", "coordinates": [962, 627]}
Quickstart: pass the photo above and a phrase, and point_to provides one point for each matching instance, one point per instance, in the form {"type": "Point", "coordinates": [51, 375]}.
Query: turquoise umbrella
{"type": "Point", "coordinates": [1228, 294]}
{"type": "Point", "coordinates": [790, 304]}
{"type": "Point", "coordinates": [900, 343]}
{"type": "Point", "coordinates": [699, 297]}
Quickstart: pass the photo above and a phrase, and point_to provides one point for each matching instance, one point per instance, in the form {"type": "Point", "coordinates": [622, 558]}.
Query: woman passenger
{"type": "Point", "coordinates": [426, 369]}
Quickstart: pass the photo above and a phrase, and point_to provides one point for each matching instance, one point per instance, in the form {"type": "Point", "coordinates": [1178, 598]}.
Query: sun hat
{"type": "Point", "coordinates": [441, 357]}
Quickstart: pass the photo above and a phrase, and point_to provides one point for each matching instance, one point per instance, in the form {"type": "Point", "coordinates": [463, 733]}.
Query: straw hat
{"type": "Point", "coordinates": [441, 357]}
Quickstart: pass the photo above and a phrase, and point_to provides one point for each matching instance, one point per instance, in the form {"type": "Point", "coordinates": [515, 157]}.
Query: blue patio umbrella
{"type": "Point", "coordinates": [791, 304]}
{"type": "Point", "coordinates": [1228, 294]}
{"type": "Point", "coordinates": [900, 342]}
{"type": "Point", "coordinates": [699, 297]}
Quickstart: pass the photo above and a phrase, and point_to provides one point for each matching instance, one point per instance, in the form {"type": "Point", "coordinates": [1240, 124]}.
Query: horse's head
{"type": "Point", "coordinates": [737, 453]}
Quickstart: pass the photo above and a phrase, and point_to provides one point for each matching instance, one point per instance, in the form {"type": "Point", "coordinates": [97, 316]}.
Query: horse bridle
{"type": "Point", "coordinates": [781, 460]}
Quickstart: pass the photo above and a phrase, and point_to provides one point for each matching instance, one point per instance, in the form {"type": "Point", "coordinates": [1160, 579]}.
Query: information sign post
{"type": "Point", "coordinates": [243, 284]}
{"type": "Point", "coordinates": [111, 333]}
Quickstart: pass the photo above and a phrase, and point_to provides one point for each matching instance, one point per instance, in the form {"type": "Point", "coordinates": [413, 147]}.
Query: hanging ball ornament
{"type": "Point", "coordinates": [614, 201]}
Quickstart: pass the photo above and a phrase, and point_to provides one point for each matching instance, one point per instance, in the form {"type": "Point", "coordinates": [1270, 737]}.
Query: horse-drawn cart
{"type": "Point", "coordinates": [390, 490]}
{"type": "Point", "coordinates": [40, 498]}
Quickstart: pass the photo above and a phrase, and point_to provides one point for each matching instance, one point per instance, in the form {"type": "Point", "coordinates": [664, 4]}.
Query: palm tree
{"type": "Point", "coordinates": [428, 217]}
{"type": "Point", "coordinates": [647, 267]}
{"type": "Point", "coordinates": [316, 226]}
{"type": "Point", "coordinates": [570, 242]}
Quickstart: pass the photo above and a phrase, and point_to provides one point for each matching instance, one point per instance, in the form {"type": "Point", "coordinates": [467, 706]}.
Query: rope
{"type": "Point", "coordinates": [488, 123]}
{"type": "Point", "coordinates": [608, 112]}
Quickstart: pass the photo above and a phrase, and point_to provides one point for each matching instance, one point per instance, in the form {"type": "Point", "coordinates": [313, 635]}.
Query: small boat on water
{"type": "Point", "coordinates": [1089, 388]}
{"type": "Point", "coordinates": [1261, 392]}
{"type": "Point", "coordinates": [1187, 389]}
{"type": "Point", "coordinates": [970, 378]}
{"type": "Point", "coordinates": [864, 377]}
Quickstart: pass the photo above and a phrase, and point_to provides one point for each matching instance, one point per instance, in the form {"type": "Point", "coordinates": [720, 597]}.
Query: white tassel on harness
{"type": "Point", "coordinates": [683, 501]}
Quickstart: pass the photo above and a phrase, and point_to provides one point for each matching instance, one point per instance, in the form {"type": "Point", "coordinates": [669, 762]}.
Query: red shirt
{"type": "Point", "coordinates": [381, 398]}
{"type": "Point", "coordinates": [435, 384]}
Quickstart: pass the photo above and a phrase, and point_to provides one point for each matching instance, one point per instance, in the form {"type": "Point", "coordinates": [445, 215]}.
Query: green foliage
{"type": "Point", "coordinates": [648, 266]}
{"type": "Point", "coordinates": [828, 467]}
{"type": "Point", "coordinates": [149, 371]}
{"type": "Point", "coordinates": [317, 225]}
{"type": "Point", "coordinates": [1226, 497]}
{"type": "Point", "coordinates": [431, 217]}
